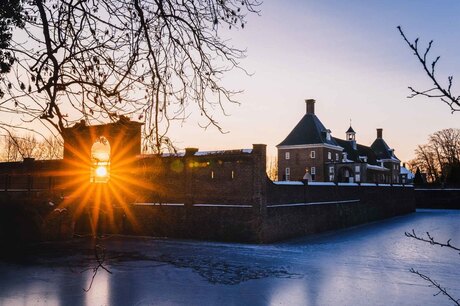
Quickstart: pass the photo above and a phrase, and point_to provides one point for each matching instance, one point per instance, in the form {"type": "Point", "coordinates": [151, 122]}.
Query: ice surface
{"type": "Point", "coordinates": [365, 265]}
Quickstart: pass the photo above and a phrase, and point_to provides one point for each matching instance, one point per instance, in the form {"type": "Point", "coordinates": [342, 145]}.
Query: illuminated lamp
{"type": "Point", "coordinates": [100, 161]}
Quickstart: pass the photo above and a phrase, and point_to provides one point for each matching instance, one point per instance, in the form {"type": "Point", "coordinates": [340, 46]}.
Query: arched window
{"type": "Point", "coordinates": [100, 161]}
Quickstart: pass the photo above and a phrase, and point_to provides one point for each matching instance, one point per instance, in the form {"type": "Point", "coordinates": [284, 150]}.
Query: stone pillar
{"type": "Point", "coordinates": [188, 175]}
{"type": "Point", "coordinates": [260, 180]}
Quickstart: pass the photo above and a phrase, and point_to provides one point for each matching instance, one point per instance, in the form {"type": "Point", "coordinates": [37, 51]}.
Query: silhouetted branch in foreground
{"type": "Point", "coordinates": [435, 284]}
{"type": "Point", "coordinates": [437, 91]}
{"type": "Point", "coordinates": [99, 254]}
{"type": "Point", "coordinates": [430, 239]}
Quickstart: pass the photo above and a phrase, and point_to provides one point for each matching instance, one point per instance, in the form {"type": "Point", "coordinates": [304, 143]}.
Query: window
{"type": "Point", "coordinates": [287, 173]}
{"type": "Point", "coordinates": [233, 174]}
{"type": "Point", "coordinates": [337, 156]}
{"type": "Point", "coordinates": [331, 170]}
{"type": "Point", "coordinates": [312, 154]}
{"type": "Point", "coordinates": [357, 169]}
{"type": "Point", "coordinates": [212, 174]}
{"type": "Point", "coordinates": [331, 178]}
{"type": "Point", "coordinates": [329, 155]}
{"type": "Point", "coordinates": [287, 155]}
{"type": "Point", "coordinates": [357, 178]}
{"type": "Point", "coordinates": [313, 173]}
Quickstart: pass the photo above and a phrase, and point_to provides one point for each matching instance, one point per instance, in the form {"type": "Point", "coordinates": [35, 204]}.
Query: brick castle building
{"type": "Point", "coordinates": [310, 152]}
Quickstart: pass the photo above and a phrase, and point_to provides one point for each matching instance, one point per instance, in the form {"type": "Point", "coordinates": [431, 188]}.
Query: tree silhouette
{"type": "Point", "coordinates": [440, 157]}
{"type": "Point", "coordinates": [10, 16]}
{"type": "Point", "coordinates": [154, 61]}
{"type": "Point", "coordinates": [438, 91]}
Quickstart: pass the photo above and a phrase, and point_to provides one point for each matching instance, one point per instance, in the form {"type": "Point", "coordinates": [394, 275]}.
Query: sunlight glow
{"type": "Point", "coordinates": [101, 171]}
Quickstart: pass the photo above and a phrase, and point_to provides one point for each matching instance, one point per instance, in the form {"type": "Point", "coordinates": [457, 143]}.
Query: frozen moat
{"type": "Point", "coordinates": [366, 265]}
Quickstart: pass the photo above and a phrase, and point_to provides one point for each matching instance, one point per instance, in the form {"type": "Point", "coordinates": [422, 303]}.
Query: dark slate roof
{"type": "Point", "coordinates": [367, 151]}
{"type": "Point", "coordinates": [361, 150]}
{"type": "Point", "coordinates": [381, 149]}
{"type": "Point", "coordinates": [309, 130]}
{"type": "Point", "coordinates": [350, 130]}
{"type": "Point", "coordinates": [347, 146]}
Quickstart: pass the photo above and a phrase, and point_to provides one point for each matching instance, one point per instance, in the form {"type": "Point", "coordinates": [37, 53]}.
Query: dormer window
{"type": "Point", "coordinates": [328, 134]}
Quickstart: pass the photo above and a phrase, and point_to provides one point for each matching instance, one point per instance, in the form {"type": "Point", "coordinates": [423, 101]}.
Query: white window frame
{"type": "Point", "coordinates": [287, 173]}
{"type": "Point", "coordinates": [287, 155]}
{"type": "Point", "coordinates": [357, 169]}
{"type": "Point", "coordinates": [357, 177]}
{"type": "Point", "coordinates": [313, 170]}
{"type": "Point", "coordinates": [337, 156]}
{"type": "Point", "coordinates": [313, 154]}
{"type": "Point", "coordinates": [331, 170]}
{"type": "Point", "coordinates": [329, 155]}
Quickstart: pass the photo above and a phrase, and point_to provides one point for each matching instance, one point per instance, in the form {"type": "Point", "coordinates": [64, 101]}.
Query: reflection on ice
{"type": "Point", "coordinates": [290, 294]}
{"type": "Point", "coordinates": [366, 265]}
{"type": "Point", "coordinates": [98, 287]}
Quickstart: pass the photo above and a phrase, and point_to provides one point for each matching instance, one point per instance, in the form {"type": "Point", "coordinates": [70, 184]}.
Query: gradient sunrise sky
{"type": "Point", "coordinates": [350, 57]}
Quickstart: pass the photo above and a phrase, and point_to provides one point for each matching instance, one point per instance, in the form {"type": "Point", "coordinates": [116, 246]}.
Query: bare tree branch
{"type": "Point", "coordinates": [431, 240]}
{"type": "Point", "coordinates": [438, 91]}
{"type": "Point", "coordinates": [441, 290]}
{"type": "Point", "coordinates": [154, 61]}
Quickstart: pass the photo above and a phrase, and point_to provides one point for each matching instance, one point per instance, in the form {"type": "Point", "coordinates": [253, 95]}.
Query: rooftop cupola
{"type": "Point", "coordinates": [351, 134]}
{"type": "Point", "coordinates": [310, 106]}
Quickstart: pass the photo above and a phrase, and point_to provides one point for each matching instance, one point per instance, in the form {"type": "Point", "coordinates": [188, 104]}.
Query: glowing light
{"type": "Point", "coordinates": [101, 171]}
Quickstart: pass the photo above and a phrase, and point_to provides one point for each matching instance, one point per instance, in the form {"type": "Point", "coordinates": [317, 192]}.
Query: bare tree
{"type": "Point", "coordinates": [154, 61]}
{"type": "Point", "coordinates": [439, 156]}
{"type": "Point", "coordinates": [439, 91]}
{"type": "Point", "coordinates": [16, 148]}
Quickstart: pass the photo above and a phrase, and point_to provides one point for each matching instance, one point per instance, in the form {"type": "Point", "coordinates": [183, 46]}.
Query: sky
{"type": "Point", "coordinates": [350, 58]}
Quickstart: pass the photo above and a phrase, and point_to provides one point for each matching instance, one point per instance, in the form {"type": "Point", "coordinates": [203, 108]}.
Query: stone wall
{"type": "Point", "coordinates": [221, 195]}
{"type": "Point", "coordinates": [447, 198]}
{"type": "Point", "coordinates": [318, 208]}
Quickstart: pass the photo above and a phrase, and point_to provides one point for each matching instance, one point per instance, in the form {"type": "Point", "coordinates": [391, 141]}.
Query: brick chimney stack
{"type": "Point", "coordinates": [310, 106]}
{"type": "Point", "coordinates": [379, 133]}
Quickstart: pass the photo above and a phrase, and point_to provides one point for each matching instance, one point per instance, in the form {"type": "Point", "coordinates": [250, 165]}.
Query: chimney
{"type": "Point", "coordinates": [310, 106]}
{"type": "Point", "coordinates": [379, 133]}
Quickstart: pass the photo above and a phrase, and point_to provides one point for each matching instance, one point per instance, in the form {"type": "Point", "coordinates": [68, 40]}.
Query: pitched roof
{"type": "Point", "coordinates": [347, 146]}
{"type": "Point", "coordinates": [382, 150]}
{"type": "Point", "coordinates": [367, 151]}
{"type": "Point", "coordinates": [309, 130]}
{"type": "Point", "coordinates": [350, 130]}
{"type": "Point", "coordinates": [354, 154]}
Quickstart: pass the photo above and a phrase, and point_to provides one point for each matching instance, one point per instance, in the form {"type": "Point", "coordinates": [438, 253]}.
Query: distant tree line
{"type": "Point", "coordinates": [439, 159]}
{"type": "Point", "coordinates": [16, 148]}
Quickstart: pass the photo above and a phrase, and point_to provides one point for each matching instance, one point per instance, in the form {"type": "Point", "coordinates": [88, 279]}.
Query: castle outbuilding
{"type": "Point", "coordinates": [310, 152]}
